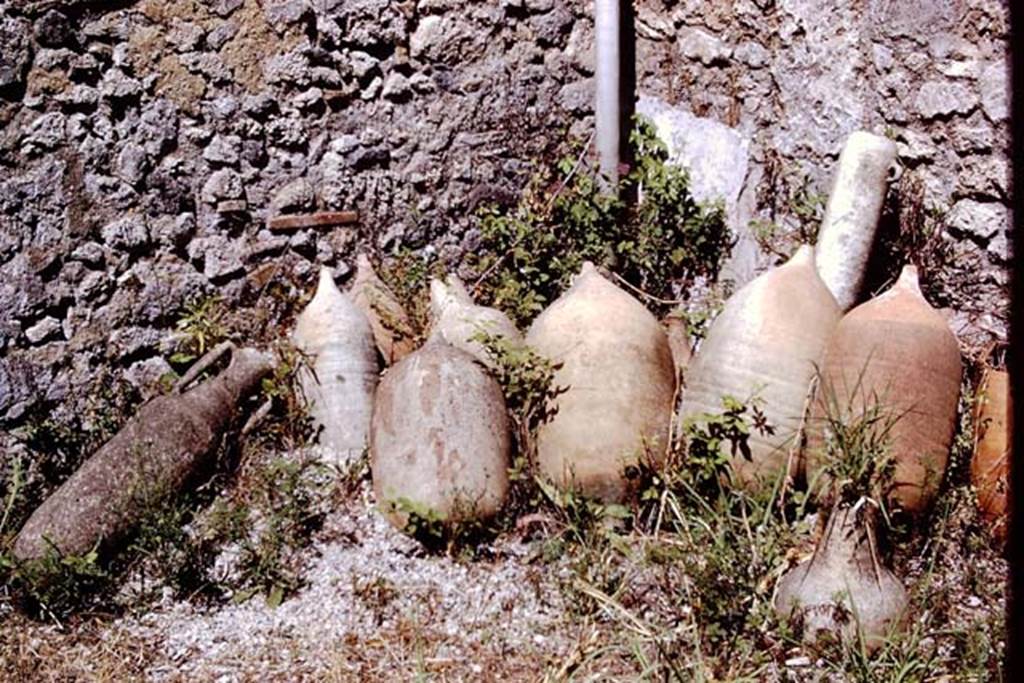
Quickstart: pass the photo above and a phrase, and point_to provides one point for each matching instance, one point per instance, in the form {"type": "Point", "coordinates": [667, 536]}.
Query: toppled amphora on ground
{"type": "Point", "coordinates": [156, 454]}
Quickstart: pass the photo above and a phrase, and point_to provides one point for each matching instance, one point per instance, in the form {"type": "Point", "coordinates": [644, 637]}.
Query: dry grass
{"type": "Point", "coordinates": [86, 650]}
{"type": "Point", "coordinates": [629, 612]}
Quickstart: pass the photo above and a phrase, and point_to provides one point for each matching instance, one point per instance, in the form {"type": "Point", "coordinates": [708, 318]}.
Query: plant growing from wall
{"type": "Point", "coordinates": [202, 325]}
{"type": "Point", "coordinates": [800, 202]}
{"type": "Point", "coordinates": [660, 245]}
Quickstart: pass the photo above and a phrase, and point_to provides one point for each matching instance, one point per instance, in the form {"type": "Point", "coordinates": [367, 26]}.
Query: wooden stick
{"type": "Point", "coordinates": [313, 220]}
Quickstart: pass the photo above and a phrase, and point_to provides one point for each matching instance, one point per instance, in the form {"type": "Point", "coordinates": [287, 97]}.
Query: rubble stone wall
{"type": "Point", "coordinates": [143, 145]}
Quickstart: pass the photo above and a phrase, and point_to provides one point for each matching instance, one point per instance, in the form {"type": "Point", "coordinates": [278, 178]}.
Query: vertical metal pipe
{"type": "Point", "coordinates": [1015, 544]}
{"type": "Point", "coordinates": [608, 105]}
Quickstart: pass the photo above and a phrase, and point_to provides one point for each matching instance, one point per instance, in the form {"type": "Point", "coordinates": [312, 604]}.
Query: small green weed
{"type": "Point", "coordinates": [52, 586]}
{"type": "Point", "coordinates": [706, 436]}
{"type": "Point", "coordinates": [287, 424]}
{"type": "Point", "coordinates": [202, 325]}
{"type": "Point", "coordinates": [56, 585]}
{"type": "Point", "coordinates": [527, 381]}
{"type": "Point", "coordinates": [276, 518]}
{"type": "Point", "coordinates": [711, 551]}
{"type": "Point", "coordinates": [856, 461]}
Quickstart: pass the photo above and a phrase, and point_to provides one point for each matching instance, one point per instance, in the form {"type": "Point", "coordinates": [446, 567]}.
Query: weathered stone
{"type": "Point", "coordinates": [983, 177]}
{"type": "Point", "coordinates": [132, 163]}
{"type": "Point", "coordinates": [158, 127]}
{"type": "Point", "coordinates": [131, 340]}
{"type": "Point", "coordinates": [282, 13]}
{"type": "Point", "coordinates": [427, 40]}
{"type": "Point", "coordinates": [294, 197]}
{"type": "Point", "coordinates": [117, 86]}
{"type": "Point", "coordinates": [979, 221]}
{"type": "Point", "coordinates": [53, 30]}
{"type": "Point", "coordinates": [173, 231]}
{"type": "Point", "coordinates": [225, 7]}
{"type": "Point", "coordinates": [937, 99]}
{"type": "Point", "coordinates": [286, 131]}
{"type": "Point", "coordinates": [961, 68]}
{"type": "Point", "coordinates": [223, 108]}
{"type": "Point", "coordinates": [186, 36]}
{"type": "Point", "coordinates": [973, 135]}
{"type": "Point", "coordinates": [45, 329]}
{"type": "Point", "coordinates": [168, 282]}
{"type": "Point", "coordinates": [539, 6]}
{"type": "Point", "coordinates": [222, 184]}
{"type": "Point", "coordinates": [716, 157]}
{"type": "Point", "coordinates": [18, 381]}
{"type": "Point", "coordinates": [259, 106]}
{"type": "Point", "coordinates": [221, 34]}
{"type": "Point", "coordinates": [107, 27]}
{"type": "Point", "coordinates": [115, 192]}
{"type": "Point", "coordinates": [45, 133]}
{"type": "Point", "coordinates": [995, 93]}
{"type": "Point", "coordinates": [126, 233]}
{"type": "Point", "coordinates": [16, 55]}
{"type": "Point", "coordinates": [999, 248]}
{"type": "Point", "coordinates": [553, 27]}
{"type": "Point", "coordinates": [372, 89]}
{"type": "Point", "coordinates": [882, 57]}
{"type": "Point", "coordinates": [267, 244]}
{"type": "Point", "coordinates": [80, 97]}
{"type": "Point", "coordinates": [82, 67]}
{"type": "Point", "coordinates": [150, 376]}
{"type": "Point", "coordinates": [577, 97]}
{"type": "Point", "coordinates": [290, 68]}
{"type": "Point", "coordinates": [362, 63]}
{"type": "Point", "coordinates": [912, 18]}
{"type": "Point", "coordinates": [714, 154]}
{"type": "Point", "coordinates": [90, 253]}
{"type": "Point", "coordinates": [752, 54]}
{"type": "Point", "coordinates": [396, 87]}
{"type": "Point", "coordinates": [223, 150]}
{"type": "Point", "coordinates": [232, 206]}
{"type": "Point", "coordinates": [304, 242]}
{"type": "Point", "coordinates": [914, 146]}
{"type": "Point", "coordinates": [309, 98]}
{"type": "Point", "coordinates": [818, 100]}
{"type": "Point", "coordinates": [207, 64]}
{"type": "Point", "coordinates": [92, 286]}
{"type": "Point", "coordinates": [221, 257]}
{"type": "Point", "coordinates": [702, 46]}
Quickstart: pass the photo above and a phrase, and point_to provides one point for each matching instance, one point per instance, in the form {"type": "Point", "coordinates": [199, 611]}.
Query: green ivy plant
{"type": "Point", "coordinates": [659, 245]}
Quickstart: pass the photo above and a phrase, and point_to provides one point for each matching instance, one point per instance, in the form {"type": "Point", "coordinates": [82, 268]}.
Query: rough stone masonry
{"type": "Point", "coordinates": [143, 145]}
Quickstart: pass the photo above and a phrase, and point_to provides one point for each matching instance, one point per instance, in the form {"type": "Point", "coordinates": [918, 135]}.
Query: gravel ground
{"type": "Point", "coordinates": [369, 588]}
{"type": "Point", "coordinates": [377, 607]}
